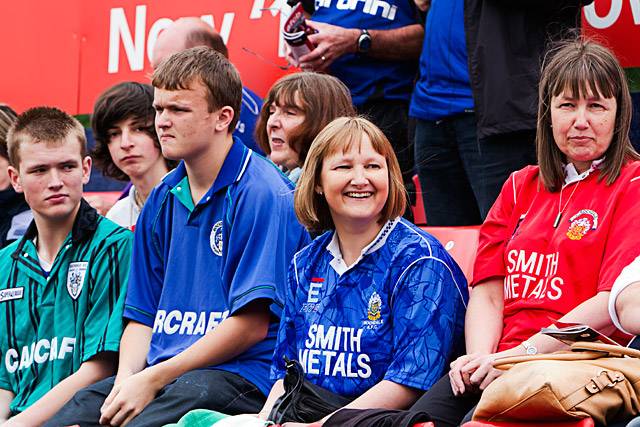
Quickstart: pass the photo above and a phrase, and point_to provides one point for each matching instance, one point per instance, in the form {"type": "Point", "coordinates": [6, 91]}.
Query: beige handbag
{"type": "Point", "coordinates": [593, 380]}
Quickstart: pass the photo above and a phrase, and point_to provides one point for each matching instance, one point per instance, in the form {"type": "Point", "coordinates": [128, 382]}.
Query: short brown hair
{"type": "Point", "coordinates": [311, 208]}
{"type": "Point", "coordinates": [323, 99]}
{"type": "Point", "coordinates": [582, 66]}
{"type": "Point", "coordinates": [7, 118]}
{"type": "Point", "coordinates": [212, 69]}
{"type": "Point", "coordinates": [43, 124]}
{"type": "Point", "coordinates": [123, 101]}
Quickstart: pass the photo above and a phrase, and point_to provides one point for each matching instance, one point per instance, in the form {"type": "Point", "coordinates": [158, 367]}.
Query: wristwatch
{"type": "Point", "coordinates": [529, 347]}
{"type": "Point", "coordinates": [364, 42]}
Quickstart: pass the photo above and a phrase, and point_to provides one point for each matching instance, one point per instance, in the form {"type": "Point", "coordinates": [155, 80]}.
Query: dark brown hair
{"type": "Point", "coordinates": [123, 101]}
{"type": "Point", "coordinates": [340, 135]}
{"type": "Point", "coordinates": [322, 98]}
{"type": "Point", "coordinates": [212, 69]}
{"type": "Point", "coordinates": [581, 67]}
{"type": "Point", "coordinates": [43, 124]}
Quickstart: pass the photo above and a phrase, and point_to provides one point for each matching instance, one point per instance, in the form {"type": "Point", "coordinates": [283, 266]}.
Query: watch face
{"type": "Point", "coordinates": [364, 43]}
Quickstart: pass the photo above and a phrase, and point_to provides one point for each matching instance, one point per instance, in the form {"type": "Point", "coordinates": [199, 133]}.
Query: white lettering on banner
{"type": "Point", "coordinates": [337, 349]}
{"type": "Point", "coordinates": [188, 322]}
{"type": "Point", "coordinates": [134, 46]}
{"type": "Point", "coordinates": [370, 7]}
{"type": "Point", "coordinates": [532, 275]}
{"type": "Point", "coordinates": [38, 352]}
{"type": "Point", "coordinates": [606, 21]}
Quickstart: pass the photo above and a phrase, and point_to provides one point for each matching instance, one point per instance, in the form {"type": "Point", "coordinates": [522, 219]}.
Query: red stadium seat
{"type": "Point", "coordinates": [460, 242]}
{"type": "Point", "coordinates": [419, 216]}
{"type": "Point", "coordinates": [586, 422]}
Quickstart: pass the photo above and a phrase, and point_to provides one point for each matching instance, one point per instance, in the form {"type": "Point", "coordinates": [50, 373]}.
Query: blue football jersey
{"type": "Point", "coordinates": [396, 314]}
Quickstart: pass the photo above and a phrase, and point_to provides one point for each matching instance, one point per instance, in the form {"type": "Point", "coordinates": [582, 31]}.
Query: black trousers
{"type": "Point", "coordinates": [446, 409]}
{"type": "Point", "coordinates": [208, 389]}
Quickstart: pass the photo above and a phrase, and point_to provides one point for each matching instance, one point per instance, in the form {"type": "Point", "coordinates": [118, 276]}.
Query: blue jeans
{"type": "Point", "coordinates": [461, 175]}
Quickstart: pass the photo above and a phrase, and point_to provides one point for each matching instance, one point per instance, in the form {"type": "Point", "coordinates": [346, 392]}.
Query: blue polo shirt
{"type": "Point", "coordinates": [194, 266]}
{"type": "Point", "coordinates": [249, 112]}
{"type": "Point", "coordinates": [396, 314]}
{"type": "Point", "coordinates": [443, 88]}
{"type": "Point", "coordinates": [366, 77]}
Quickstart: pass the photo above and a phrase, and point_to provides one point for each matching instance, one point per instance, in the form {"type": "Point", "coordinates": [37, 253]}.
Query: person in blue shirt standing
{"type": "Point", "coordinates": [374, 306]}
{"type": "Point", "coordinates": [373, 47]}
{"type": "Point", "coordinates": [190, 32]}
{"type": "Point", "coordinates": [446, 149]}
{"type": "Point", "coordinates": [209, 264]}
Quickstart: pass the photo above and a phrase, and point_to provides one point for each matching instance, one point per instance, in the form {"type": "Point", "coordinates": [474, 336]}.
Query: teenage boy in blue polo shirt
{"type": "Point", "coordinates": [211, 251]}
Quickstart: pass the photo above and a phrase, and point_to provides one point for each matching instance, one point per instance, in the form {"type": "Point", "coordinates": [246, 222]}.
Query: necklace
{"type": "Point", "coordinates": [140, 201]}
{"type": "Point", "coordinates": [561, 211]}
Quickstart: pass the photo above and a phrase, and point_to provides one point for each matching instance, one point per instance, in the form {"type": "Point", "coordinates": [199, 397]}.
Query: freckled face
{"type": "Point", "coordinates": [583, 127]}
{"type": "Point", "coordinates": [184, 124]}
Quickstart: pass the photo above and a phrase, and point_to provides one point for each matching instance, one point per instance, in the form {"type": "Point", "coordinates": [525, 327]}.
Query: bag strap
{"type": "Point", "coordinates": [609, 349]}
{"type": "Point", "coordinates": [605, 379]}
{"type": "Point", "coordinates": [581, 350]}
{"type": "Point", "coordinates": [505, 363]}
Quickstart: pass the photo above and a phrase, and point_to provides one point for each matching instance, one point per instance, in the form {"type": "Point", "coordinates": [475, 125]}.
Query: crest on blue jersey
{"type": "Point", "coordinates": [215, 238]}
{"type": "Point", "coordinates": [75, 278]}
{"type": "Point", "coordinates": [375, 305]}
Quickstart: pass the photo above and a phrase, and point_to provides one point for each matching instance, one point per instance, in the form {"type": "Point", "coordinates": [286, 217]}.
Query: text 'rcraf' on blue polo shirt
{"type": "Point", "coordinates": [194, 266]}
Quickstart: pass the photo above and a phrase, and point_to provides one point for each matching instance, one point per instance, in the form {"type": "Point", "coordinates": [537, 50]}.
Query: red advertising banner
{"type": "Point", "coordinates": [617, 22]}
{"type": "Point", "coordinates": [67, 52]}
{"type": "Point", "coordinates": [64, 53]}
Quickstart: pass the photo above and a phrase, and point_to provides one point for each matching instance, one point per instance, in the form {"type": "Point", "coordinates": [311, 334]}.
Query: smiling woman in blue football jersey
{"type": "Point", "coordinates": [374, 306]}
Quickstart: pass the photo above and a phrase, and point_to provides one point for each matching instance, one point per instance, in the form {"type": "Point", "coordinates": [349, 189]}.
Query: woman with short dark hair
{"type": "Point", "coordinates": [296, 109]}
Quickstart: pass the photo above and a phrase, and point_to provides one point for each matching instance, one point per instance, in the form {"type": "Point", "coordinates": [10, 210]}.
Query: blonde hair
{"type": "Point", "coordinates": [340, 135]}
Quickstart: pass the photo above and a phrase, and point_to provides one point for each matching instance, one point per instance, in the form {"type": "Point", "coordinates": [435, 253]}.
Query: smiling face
{"type": "Point", "coordinates": [51, 176]}
{"type": "Point", "coordinates": [282, 122]}
{"type": "Point", "coordinates": [583, 126]}
{"type": "Point", "coordinates": [132, 149]}
{"type": "Point", "coordinates": [355, 184]}
{"type": "Point", "coordinates": [184, 124]}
